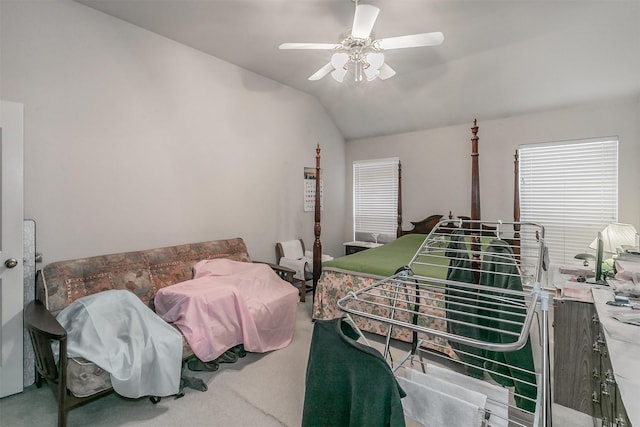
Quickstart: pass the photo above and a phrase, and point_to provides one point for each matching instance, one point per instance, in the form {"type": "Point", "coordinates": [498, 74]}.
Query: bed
{"type": "Point", "coordinates": [356, 271]}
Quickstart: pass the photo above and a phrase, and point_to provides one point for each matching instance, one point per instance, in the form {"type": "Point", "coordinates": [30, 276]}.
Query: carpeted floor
{"type": "Point", "coordinates": [259, 390]}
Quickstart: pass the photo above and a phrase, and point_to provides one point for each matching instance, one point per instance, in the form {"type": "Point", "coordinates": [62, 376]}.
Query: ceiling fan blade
{"type": "Point", "coordinates": [386, 72]}
{"type": "Point", "coordinates": [413, 40]}
{"type": "Point", "coordinates": [363, 21]}
{"type": "Point", "coordinates": [326, 69]}
{"type": "Point", "coordinates": [321, 46]}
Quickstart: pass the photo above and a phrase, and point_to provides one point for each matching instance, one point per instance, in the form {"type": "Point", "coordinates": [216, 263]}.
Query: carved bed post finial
{"type": "Point", "coordinates": [399, 229]}
{"type": "Point", "coordinates": [475, 176]}
{"type": "Point", "coordinates": [317, 245]}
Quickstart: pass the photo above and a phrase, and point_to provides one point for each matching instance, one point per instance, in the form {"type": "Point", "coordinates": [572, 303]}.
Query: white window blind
{"type": "Point", "coordinates": [375, 199]}
{"type": "Point", "coordinates": [571, 188]}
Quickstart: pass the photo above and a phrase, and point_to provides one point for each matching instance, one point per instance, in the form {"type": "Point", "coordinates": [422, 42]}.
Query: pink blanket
{"type": "Point", "coordinates": [229, 303]}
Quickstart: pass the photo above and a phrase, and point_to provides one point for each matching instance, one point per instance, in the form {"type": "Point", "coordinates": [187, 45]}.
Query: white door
{"type": "Point", "coordinates": [11, 248]}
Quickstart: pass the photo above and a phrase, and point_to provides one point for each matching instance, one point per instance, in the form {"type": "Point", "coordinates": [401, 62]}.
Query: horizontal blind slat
{"type": "Point", "coordinates": [375, 196]}
{"type": "Point", "coordinates": [571, 188]}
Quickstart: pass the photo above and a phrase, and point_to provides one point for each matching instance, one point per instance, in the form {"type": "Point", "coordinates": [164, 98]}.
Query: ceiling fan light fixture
{"type": "Point", "coordinates": [359, 47]}
{"type": "Point", "coordinates": [338, 74]}
{"type": "Point", "coordinates": [339, 62]}
{"type": "Point", "coordinates": [358, 69]}
{"type": "Point", "coordinates": [386, 72]}
{"type": "Point", "coordinates": [374, 62]}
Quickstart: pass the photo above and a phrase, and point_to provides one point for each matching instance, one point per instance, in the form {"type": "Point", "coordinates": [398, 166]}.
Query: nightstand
{"type": "Point", "coordinates": [356, 246]}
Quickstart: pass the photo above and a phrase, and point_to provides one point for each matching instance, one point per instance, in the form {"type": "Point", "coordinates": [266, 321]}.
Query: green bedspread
{"type": "Point", "coordinates": [362, 269]}
{"type": "Point", "coordinates": [384, 260]}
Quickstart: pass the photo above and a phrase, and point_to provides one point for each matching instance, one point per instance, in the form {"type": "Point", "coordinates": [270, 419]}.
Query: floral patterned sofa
{"type": "Point", "coordinates": [77, 381]}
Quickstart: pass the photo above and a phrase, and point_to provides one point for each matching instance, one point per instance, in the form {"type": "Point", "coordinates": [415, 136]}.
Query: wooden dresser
{"type": "Point", "coordinates": [596, 360]}
{"type": "Point", "coordinates": [573, 358]}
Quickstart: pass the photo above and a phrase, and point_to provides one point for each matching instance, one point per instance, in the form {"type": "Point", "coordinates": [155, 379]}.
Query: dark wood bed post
{"type": "Point", "coordinates": [317, 245]}
{"type": "Point", "coordinates": [399, 230]}
{"type": "Point", "coordinates": [475, 176]}
{"type": "Point", "coordinates": [516, 205]}
{"type": "Point", "coordinates": [475, 201]}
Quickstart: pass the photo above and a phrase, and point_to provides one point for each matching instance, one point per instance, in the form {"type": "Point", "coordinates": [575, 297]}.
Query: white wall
{"type": "Point", "coordinates": [134, 141]}
{"type": "Point", "coordinates": [436, 163]}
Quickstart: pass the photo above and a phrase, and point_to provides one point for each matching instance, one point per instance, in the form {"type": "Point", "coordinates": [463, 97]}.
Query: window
{"type": "Point", "coordinates": [571, 188]}
{"type": "Point", "coordinates": [375, 199]}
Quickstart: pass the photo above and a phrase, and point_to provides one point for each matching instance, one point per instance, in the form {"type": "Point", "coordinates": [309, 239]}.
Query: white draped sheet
{"type": "Point", "coordinates": [117, 332]}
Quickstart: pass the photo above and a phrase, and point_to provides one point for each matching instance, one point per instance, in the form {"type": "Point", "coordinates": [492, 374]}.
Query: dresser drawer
{"type": "Point", "coordinates": [607, 403]}
{"type": "Point", "coordinates": [621, 418]}
{"type": "Point", "coordinates": [574, 358]}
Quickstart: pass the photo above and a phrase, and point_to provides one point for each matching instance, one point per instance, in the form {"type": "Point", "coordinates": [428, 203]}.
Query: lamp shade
{"type": "Point", "coordinates": [375, 61]}
{"type": "Point", "coordinates": [339, 62]}
{"type": "Point", "coordinates": [615, 236]}
{"type": "Point", "coordinates": [386, 72]}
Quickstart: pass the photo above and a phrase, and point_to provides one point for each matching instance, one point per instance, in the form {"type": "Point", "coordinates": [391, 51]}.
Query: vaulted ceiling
{"type": "Point", "coordinates": [499, 57]}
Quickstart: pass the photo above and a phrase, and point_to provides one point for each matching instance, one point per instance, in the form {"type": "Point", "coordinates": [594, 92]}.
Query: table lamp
{"type": "Point", "coordinates": [615, 236]}
{"type": "Point", "coordinates": [585, 257]}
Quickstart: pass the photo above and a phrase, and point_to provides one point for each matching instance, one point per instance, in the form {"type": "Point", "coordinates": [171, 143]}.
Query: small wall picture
{"type": "Point", "coordinates": [310, 189]}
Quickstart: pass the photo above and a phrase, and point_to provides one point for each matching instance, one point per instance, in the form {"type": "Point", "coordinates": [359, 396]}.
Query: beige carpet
{"type": "Point", "coordinates": [259, 390]}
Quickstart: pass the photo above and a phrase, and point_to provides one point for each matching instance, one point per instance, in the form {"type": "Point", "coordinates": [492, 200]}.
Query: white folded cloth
{"type": "Point", "coordinates": [300, 266]}
{"type": "Point", "coordinates": [497, 396]}
{"type": "Point", "coordinates": [292, 249]}
{"type": "Point", "coordinates": [450, 405]}
{"type": "Point", "coordinates": [324, 257]}
{"type": "Point", "coordinates": [295, 259]}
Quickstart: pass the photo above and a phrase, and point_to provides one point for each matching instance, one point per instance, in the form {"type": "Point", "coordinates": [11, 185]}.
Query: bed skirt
{"type": "Point", "coordinates": [335, 284]}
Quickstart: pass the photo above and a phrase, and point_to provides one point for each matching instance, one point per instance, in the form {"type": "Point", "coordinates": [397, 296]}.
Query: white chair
{"type": "Point", "coordinates": [292, 254]}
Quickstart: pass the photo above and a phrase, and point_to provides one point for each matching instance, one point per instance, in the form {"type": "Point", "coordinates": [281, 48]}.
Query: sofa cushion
{"type": "Point", "coordinates": [66, 281]}
{"type": "Point", "coordinates": [170, 273]}
{"type": "Point", "coordinates": [79, 287]}
{"type": "Point", "coordinates": [141, 272]}
{"type": "Point", "coordinates": [85, 378]}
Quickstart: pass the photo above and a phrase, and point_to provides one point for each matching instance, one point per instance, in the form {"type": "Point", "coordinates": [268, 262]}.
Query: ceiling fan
{"type": "Point", "coordinates": [362, 51]}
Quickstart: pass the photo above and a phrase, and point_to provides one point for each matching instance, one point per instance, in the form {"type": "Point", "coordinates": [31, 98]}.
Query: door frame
{"type": "Point", "coordinates": [12, 247]}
